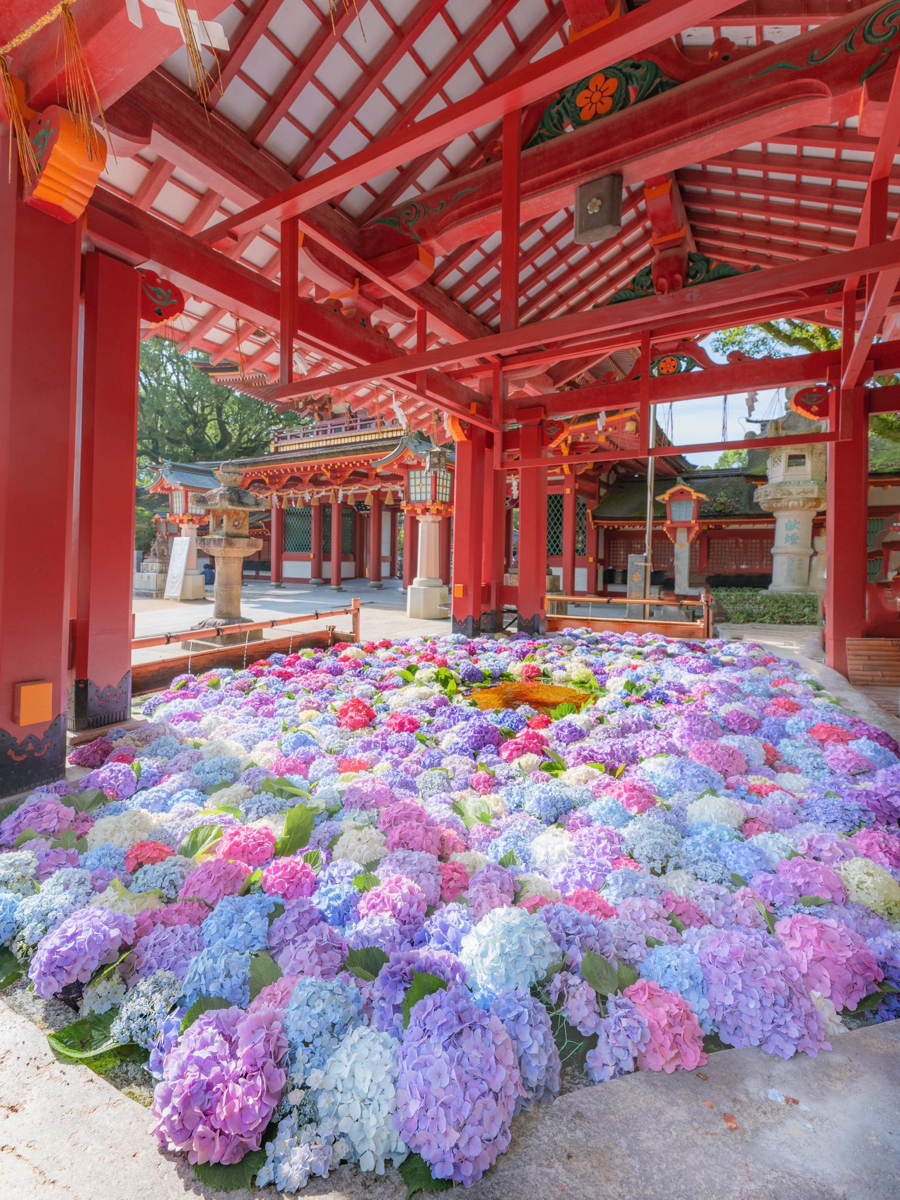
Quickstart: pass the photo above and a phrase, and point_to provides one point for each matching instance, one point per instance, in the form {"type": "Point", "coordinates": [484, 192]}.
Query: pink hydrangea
{"type": "Point", "coordinates": [588, 901]}
{"type": "Point", "coordinates": [274, 997]}
{"type": "Point", "coordinates": [355, 714]}
{"type": "Point", "coordinates": [142, 854]}
{"type": "Point", "coordinates": [688, 912]}
{"type": "Point", "coordinates": [781, 706]}
{"type": "Point", "coordinates": [882, 847]}
{"type": "Point", "coordinates": [846, 760]}
{"type": "Point", "coordinates": [290, 878]}
{"type": "Point", "coordinates": [832, 959]}
{"type": "Point", "coordinates": [825, 732]}
{"type": "Point", "coordinates": [401, 722]}
{"type": "Point", "coordinates": [676, 1039]}
{"type": "Point", "coordinates": [451, 842]}
{"type": "Point", "coordinates": [529, 741]}
{"type": "Point", "coordinates": [533, 903]}
{"type": "Point", "coordinates": [454, 881]}
{"type": "Point", "coordinates": [248, 844]}
{"type": "Point", "coordinates": [395, 897]}
{"type": "Point", "coordinates": [220, 1085]}
{"type": "Point", "coordinates": [414, 835]}
{"type": "Point", "coordinates": [214, 879]}
{"type": "Point", "coordinates": [92, 754]}
{"type": "Point", "coordinates": [721, 757]}
{"type": "Point", "coordinates": [636, 797]}
{"type": "Point", "coordinates": [182, 912]}
{"type": "Point", "coordinates": [483, 782]}
{"type": "Point", "coordinates": [289, 765]}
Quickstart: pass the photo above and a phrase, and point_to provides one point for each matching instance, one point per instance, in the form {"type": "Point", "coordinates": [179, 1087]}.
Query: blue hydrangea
{"type": "Point", "coordinates": [445, 928]}
{"type": "Point", "coordinates": [319, 1013]}
{"type": "Point", "coordinates": [105, 857]}
{"type": "Point", "coordinates": [62, 894]}
{"type": "Point", "coordinates": [677, 969]}
{"type": "Point", "coordinates": [667, 775]}
{"type": "Point", "coordinates": [527, 1022]}
{"type": "Point", "coordinates": [509, 948]}
{"type": "Point", "coordinates": [218, 971]}
{"type": "Point", "coordinates": [166, 877]}
{"type": "Point", "coordinates": [620, 1035]}
{"type": "Point", "coordinates": [17, 868]}
{"type": "Point", "coordinates": [145, 1008]}
{"type": "Point", "coordinates": [575, 932]}
{"type": "Point", "coordinates": [608, 811]}
{"type": "Point", "coordinates": [239, 923]}
{"type": "Point", "coordinates": [652, 843]}
{"type": "Point", "coordinates": [836, 814]}
{"type": "Point", "coordinates": [9, 908]}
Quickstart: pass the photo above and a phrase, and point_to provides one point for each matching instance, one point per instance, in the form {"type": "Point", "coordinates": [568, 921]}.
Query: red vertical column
{"type": "Point", "coordinates": [40, 272]}
{"type": "Point", "coordinates": [468, 527]}
{"type": "Point", "coordinates": [846, 531]}
{"type": "Point", "coordinates": [570, 501]}
{"type": "Point", "coordinates": [276, 543]}
{"type": "Point", "coordinates": [100, 691]}
{"type": "Point", "coordinates": [532, 600]}
{"type": "Point", "coordinates": [376, 511]}
{"type": "Point", "coordinates": [592, 541]}
{"type": "Point", "coordinates": [410, 547]}
{"type": "Point", "coordinates": [494, 533]}
{"type": "Point", "coordinates": [336, 518]}
{"type": "Point", "coordinates": [316, 543]}
{"type": "Point", "coordinates": [446, 543]}
{"type": "Point", "coordinates": [394, 530]}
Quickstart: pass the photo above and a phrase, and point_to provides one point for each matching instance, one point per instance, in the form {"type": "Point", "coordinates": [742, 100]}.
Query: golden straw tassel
{"type": "Point", "coordinates": [196, 67]}
{"type": "Point", "coordinates": [17, 128]}
{"type": "Point", "coordinates": [81, 91]}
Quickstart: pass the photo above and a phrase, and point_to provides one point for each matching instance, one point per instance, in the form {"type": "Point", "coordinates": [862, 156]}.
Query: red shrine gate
{"type": "Point", "coordinates": [395, 222]}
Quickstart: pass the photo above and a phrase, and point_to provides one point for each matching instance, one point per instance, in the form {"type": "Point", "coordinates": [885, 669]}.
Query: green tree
{"type": "Point", "coordinates": [732, 458]}
{"type": "Point", "coordinates": [184, 417]}
{"type": "Point", "coordinates": [781, 338]}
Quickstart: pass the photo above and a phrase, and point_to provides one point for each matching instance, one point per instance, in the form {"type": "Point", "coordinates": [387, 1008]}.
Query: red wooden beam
{"type": "Point", "coordinates": [634, 32]}
{"type": "Point", "coordinates": [288, 297]}
{"type": "Point", "coordinates": [509, 237]}
{"type": "Point", "coordinates": [726, 296]}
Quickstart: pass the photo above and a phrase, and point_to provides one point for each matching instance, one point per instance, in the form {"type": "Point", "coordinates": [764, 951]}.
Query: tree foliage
{"type": "Point", "coordinates": [786, 336]}
{"type": "Point", "coordinates": [184, 417]}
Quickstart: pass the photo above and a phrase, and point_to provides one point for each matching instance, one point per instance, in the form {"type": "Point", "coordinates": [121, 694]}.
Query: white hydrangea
{"type": "Point", "coordinates": [356, 1097]}
{"type": "Point", "coordinates": [527, 763]}
{"type": "Point", "coordinates": [265, 753]}
{"type": "Point", "coordinates": [551, 849]}
{"type": "Point", "coordinates": [868, 883]}
{"type": "Point", "coordinates": [120, 899]}
{"type": "Point", "coordinates": [720, 809]}
{"type": "Point", "coordinates": [680, 883]}
{"type": "Point", "coordinates": [233, 795]}
{"type": "Point", "coordinates": [123, 830]}
{"type": "Point", "coordinates": [795, 784]}
{"type": "Point", "coordinates": [361, 844]}
{"type": "Point", "coordinates": [102, 994]}
{"type": "Point", "coordinates": [532, 884]}
{"type": "Point", "coordinates": [221, 747]}
{"type": "Point", "coordinates": [581, 776]}
{"type": "Point", "coordinates": [354, 652]}
{"type": "Point", "coordinates": [470, 859]}
{"type": "Point", "coordinates": [404, 697]}
{"type": "Point", "coordinates": [580, 671]}
{"type": "Point", "coordinates": [833, 1023]}
{"type": "Point", "coordinates": [275, 822]}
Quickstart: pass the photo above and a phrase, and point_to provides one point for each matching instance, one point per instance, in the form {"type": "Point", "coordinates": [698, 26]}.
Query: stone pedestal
{"type": "Point", "coordinates": [794, 505]}
{"type": "Point", "coordinates": [426, 595]}
{"type": "Point", "coordinates": [194, 585]}
{"type": "Point", "coordinates": [150, 580]}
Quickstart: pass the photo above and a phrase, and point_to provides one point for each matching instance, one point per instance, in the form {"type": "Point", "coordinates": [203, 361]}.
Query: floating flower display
{"type": "Point", "coordinates": [367, 904]}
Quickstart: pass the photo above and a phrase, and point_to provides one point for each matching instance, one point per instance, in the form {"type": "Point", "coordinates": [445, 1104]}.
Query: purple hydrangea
{"type": "Point", "coordinates": [72, 952]}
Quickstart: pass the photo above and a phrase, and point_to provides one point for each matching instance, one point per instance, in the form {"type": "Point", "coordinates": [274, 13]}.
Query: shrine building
{"type": "Point", "coordinates": [473, 252]}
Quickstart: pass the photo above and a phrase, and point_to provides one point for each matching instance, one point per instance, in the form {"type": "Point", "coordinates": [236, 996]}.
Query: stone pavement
{"type": "Point", "coordinates": [746, 1126]}
{"type": "Point", "coordinates": [383, 612]}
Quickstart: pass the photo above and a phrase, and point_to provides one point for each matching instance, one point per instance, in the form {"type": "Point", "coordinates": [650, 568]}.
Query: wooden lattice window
{"type": "Point", "coordinates": [555, 506]}
{"type": "Point", "coordinates": [297, 530]}
{"type": "Point", "coordinates": [581, 525]}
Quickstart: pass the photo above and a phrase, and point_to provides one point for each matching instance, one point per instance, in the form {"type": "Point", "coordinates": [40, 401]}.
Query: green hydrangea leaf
{"type": "Point", "coordinates": [298, 827]}
{"type": "Point", "coordinates": [234, 1176]}
{"type": "Point", "coordinates": [423, 984]}
{"type": "Point", "coordinates": [416, 1174]}
{"type": "Point", "coordinates": [199, 1007]}
{"type": "Point", "coordinates": [366, 962]}
{"type": "Point", "coordinates": [86, 1037]}
{"type": "Point", "coordinates": [263, 971]}
{"type": "Point", "coordinates": [200, 841]}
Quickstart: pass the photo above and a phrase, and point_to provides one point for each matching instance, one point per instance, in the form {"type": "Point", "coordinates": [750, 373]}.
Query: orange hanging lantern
{"type": "Point", "coordinates": [68, 167]}
{"type": "Point", "coordinates": [161, 301]}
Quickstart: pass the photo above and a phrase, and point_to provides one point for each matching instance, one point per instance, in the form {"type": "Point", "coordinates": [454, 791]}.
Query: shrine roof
{"type": "Point", "coordinates": [299, 92]}
{"type": "Point", "coordinates": [185, 475]}
{"type": "Point", "coordinates": [729, 493]}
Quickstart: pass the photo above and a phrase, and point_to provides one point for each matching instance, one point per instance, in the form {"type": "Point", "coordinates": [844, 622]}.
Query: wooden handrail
{"type": "Point", "coordinates": [202, 635]}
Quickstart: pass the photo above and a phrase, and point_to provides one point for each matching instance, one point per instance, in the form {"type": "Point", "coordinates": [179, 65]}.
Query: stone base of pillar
{"type": "Point", "coordinates": [336, 588]}
{"type": "Point", "coordinates": [317, 581]}
{"type": "Point", "coordinates": [193, 586]}
{"type": "Point", "coordinates": [375, 583]}
{"type": "Point", "coordinates": [425, 598]}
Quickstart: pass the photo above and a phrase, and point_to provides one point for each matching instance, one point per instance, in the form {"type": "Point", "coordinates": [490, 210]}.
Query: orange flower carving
{"type": "Point", "coordinates": [596, 99]}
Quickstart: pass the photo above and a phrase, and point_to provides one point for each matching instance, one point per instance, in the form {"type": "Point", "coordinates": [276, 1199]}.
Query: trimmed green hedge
{"type": "Point", "coordinates": [742, 606]}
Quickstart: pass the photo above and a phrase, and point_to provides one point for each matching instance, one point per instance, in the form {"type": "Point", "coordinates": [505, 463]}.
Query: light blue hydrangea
{"type": "Point", "coordinates": [64, 892]}
{"type": "Point", "coordinates": [9, 907]}
{"type": "Point", "coordinates": [218, 971]}
{"type": "Point", "coordinates": [239, 923]}
{"type": "Point", "coordinates": [297, 1152]}
{"type": "Point", "coordinates": [145, 1009]}
{"type": "Point", "coordinates": [319, 1013]}
{"type": "Point", "coordinates": [677, 969]}
{"type": "Point", "coordinates": [17, 869]}
{"type": "Point", "coordinates": [509, 949]}
{"type": "Point", "coordinates": [166, 877]}
{"type": "Point", "coordinates": [527, 1022]}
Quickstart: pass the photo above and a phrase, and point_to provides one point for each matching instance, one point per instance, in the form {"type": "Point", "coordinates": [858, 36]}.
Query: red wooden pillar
{"type": "Point", "coordinates": [494, 531]}
{"type": "Point", "coordinates": [394, 530]}
{"type": "Point", "coordinates": [468, 501]}
{"type": "Point", "coordinates": [316, 543]}
{"type": "Point", "coordinates": [100, 691]}
{"type": "Point", "coordinates": [570, 501]}
{"type": "Point", "coordinates": [532, 599]}
{"type": "Point", "coordinates": [40, 271]}
{"type": "Point", "coordinates": [410, 547]}
{"type": "Point", "coordinates": [846, 537]}
{"type": "Point", "coordinates": [375, 539]}
{"type": "Point", "coordinates": [276, 542]}
{"type": "Point", "coordinates": [336, 518]}
{"type": "Point", "coordinates": [592, 543]}
{"type": "Point", "coordinates": [446, 542]}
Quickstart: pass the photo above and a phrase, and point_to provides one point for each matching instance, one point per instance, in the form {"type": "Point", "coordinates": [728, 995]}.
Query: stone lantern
{"type": "Point", "coordinates": [229, 542]}
{"type": "Point", "coordinates": [430, 495]}
{"type": "Point", "coordinates": [794, 493]}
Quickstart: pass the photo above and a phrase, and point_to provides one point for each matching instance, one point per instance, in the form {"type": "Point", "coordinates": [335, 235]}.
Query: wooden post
{"type": "Point", "coordinates": [446, 543]}
{"type": "Point", "coordinates": [532, 598]}
{"type": "Point", "coordinates": [276, 543]}
{"type": "Point", "coordinates": [316, 543]}
{"type": "Point", "coordinates": [100, 683]}
{"type": "Point", "coordinates": [394, 529]}
{"type": "Point", "coordinates": [336, 577]}
{"type": "Point", "coordinates": [410, 547]}
{"type": "Point", "coordinates": [375, 538]}
{"type": "Point", "coordinates": [40, 271]}
{"type": "Point", "coordinates": [467, 532]}
{"type": "Point", "coordinates": [494, 531]}
{"type": "Point", "coordinates": [570, 501]}
{"type": "Point", "coordinates": [288, 296]}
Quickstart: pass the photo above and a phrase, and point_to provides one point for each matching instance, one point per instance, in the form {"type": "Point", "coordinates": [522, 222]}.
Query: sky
{"type": "Point", "coordinates": [701, 420]}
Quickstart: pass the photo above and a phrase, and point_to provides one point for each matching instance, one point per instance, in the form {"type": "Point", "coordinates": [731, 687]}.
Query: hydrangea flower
{"type": "Point", "coordinates": [72, 952]}
{"type": "Point", "coordinates": [508, 949]}
{"type": "Point", "coordinates": [225, 1054]}
{"type": "Point", "coordinates": [319, 1014]}
{"type": "Point", "coordinates": [457, 1085]}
